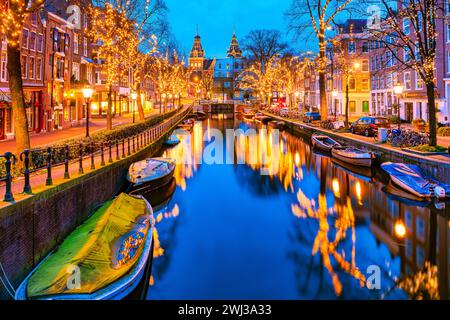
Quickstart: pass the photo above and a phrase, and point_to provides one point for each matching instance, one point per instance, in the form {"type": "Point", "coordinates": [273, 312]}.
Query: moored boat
{"type": "Point", "coordinates": [172, 141]}
{"type": "Point", "coordinates": [411, 178]}
{"type": "Point", "coordinates": [201, 116]}
{"type": "Point", "coordinates": [261, 118]}
{"type": "Point", "coordinates": [280, 125]}
{"type": "Point", "coordinates": [353, 156]}
{"type": "Point", "coordinates": [324, 143]}
{"type": "Point", "coordinates": [110, 252]}
{"type": "Point", "coordinates": [150, 173]}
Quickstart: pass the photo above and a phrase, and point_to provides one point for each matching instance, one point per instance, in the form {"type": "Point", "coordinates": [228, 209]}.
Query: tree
{"type": "Point", "coordinates": [308, 17]}
{"type": "Point", "coordinates": [289, 75]}
{"type": "Point", "coordinates": [413, 45]}
{"type": "Point", "coordinates": [264, 45]}
{"type": "Point", "coordinates": [12, 16]}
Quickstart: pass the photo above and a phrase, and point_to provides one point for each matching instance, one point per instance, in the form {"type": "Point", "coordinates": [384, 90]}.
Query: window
{"type": "Point", "coordinates": [38, 69]}
{"type": "Point", "coordinates": [447, 6]}
{"type": "Point", "coordinates": [365, 47]}
{"type": "Point", "coordinates": [76, 71]}
{"type": "Point", "coordinates": [407, 80]}
{"type": "Point", "coordinates": [89, 74]}
{"type": "Point", "coordinates": [32, 43]}
{"type": "Point", "coordinates": [34, 19]}
{"type": "Point", "coordinates": [31, 67]}
{"type": "Point", "coordinates": [352, 84]}
{"type": "Point", "coordinates": [40, 43]}
{"type": "Point", "coordinates": [25, 38]}
{"type": "Point", "coordinates": [447, 33]}
{"type": "Point", "coordinates": [388, 59]}
{"type": "Point", "coordinates": [365, 65]}
{"type": "Point", "coordinates": [24, 65]}
{"type": "Point", "coordinates": [420, 256]}
{"type": "Point", "coordinates": [85, 21]}
{"type": "Point", "coordinates": [448, 61]}
{"type": "Point", "coordinates": [85, 48]}
{"type": "Point", "coordinates": [352, 106]}
{"type": "Point", "coordinates": [365, 84]}
{"type": "Point", "coordinates": [97, 77]}
{"type": "Point", "coordinates": [406, 26]}
{"type": "Point", "coordinates": [419, 82]}
{"type": "Point", "coordinates": [351, 47]}
{"type": "Point", "coordinates": [75, 43]}
{"type": "Point", "coordinates": [417, 52]}
{"type": "Point", "coordinates": [407, 54]}
{"type": "Point", "coordinates": [365, 106]}
{"type": "Point", "coordinates": [420, 228]}
{"type": "Point", "coordinates": [3, 68]}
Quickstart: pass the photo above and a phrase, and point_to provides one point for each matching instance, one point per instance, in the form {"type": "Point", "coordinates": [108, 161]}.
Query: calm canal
{"type": "Point", "coordinates": [311, 229]}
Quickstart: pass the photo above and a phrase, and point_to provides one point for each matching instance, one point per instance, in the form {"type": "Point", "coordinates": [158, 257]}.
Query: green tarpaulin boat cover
{"type": "Point", "coordinates": [99, 252]}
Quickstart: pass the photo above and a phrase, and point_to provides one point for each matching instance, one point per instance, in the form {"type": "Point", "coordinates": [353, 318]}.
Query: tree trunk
{"type": "Point", "coordinates": [322, 77]}
{"type": "Point", "coordinates": [347, 102]}
{"type": "Point", "coordinates": [109, 111]}
{"type": "Point", "coordinates": [18, 102]}
{"type": "Point", "coordinates": [139, 102]}
{"type": "Point", "coordinates": [432, 113]}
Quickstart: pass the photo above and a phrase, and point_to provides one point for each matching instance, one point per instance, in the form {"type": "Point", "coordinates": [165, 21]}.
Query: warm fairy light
{"type": "Point", "coordinates": [400, 229]}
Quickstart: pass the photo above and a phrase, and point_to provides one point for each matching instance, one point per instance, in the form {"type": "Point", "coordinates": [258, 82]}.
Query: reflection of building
{"type": "Point", "coordinates": [427, 237]}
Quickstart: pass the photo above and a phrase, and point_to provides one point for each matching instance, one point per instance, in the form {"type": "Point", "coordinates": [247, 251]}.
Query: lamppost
{"type": "Point", "coordinates": [163, 96]}
{"type": "Point", "coordinates": [87, 94]}
{"type": "Point", "coordinates": [398, 90]}
{"type": "Point", "coordinates": [134, 97]}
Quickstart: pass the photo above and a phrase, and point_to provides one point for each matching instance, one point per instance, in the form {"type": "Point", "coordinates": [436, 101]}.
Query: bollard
{"type": "Point", "coordinates": [26, 172]}
{"type": "Point", "coordinates": [66, 162]}
{"type": "Point", "coordinates": [8, 193]}
{"type": "Point", "coordinates": [80, 169]}
{"type": "Point", "coordinates": [110, 160]}
{"type": "Point", "coordinates": [129, 148]}
{"type": "Point", "coordinates": [49, 180]}
{"type": "Point", "coordinates": [117, 151]}
{"type": "Point", "coordinates": [102, 154]}
{"type": "Point", "coordinates": [92, 155]}
{"type": "Point", "coordinates": [134, 146]}
{"type": "Point", "coordinates": [123, 148]}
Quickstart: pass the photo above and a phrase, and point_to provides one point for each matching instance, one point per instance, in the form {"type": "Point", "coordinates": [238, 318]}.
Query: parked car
{"type": "Point", "coordinates": [311, 116]}
{"type": "Point", "coordinates": [284, 112]}
{"type": "Point", "coordinates": [368, 126]}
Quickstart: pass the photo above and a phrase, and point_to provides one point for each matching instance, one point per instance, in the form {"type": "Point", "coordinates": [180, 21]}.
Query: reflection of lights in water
{"type": "Point", "coordinates": [358, 192]}
{"type": "Point", "coordinates": [400, 229]}
{"type": "Point", "coordinates": [297, 159]}
{"type": "Point", "coordinates": [336, 188]}
{"type": "Point", "coordinates": [328, 248]}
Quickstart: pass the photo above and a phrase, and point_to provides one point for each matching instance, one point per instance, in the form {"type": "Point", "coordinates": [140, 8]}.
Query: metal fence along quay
{"type": "Point", "coordinates": [67, 161]}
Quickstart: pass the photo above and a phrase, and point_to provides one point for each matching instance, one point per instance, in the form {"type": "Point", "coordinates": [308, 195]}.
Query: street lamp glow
{"type": "Point", "coordinates": [297, 94]}
{"type": "Point", "coordinates": [357, 65]}
{"type": "Point", "coordinates": [334, 94]}
{"type": "Point", "coordinates": [87, 92]}
{"type": "Point", "coordinates": [398, 88]}
{"type": "Point", "coordinates": [134, 96]}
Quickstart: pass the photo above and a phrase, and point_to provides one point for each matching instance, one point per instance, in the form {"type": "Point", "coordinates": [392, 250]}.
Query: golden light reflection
{"type": "Point", "coordinates": [344, 219]}
{"type": "Point", "coordinates": [358, 191]}
{"type": "Point", "coordinates": [336, 188]}
{"type": "Point", "coordinates": [422, 285]}
{"type": "Point", "coordinates": [400, 229]}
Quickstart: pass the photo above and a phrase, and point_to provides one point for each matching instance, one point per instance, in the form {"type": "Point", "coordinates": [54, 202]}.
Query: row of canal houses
{"type": "Point", "coordinates": [57, 62]}
{"type": "Point", "coordinates": [371, 72]}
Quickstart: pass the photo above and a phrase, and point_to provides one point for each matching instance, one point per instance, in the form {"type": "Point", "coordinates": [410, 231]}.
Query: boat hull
{"type": "Point", "coordinates": [362, 162]}
{"type": "Point", "coordinates": [318, 143]}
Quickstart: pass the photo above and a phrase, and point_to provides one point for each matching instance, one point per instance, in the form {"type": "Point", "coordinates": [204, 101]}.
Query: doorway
{"type": "Point", "coordinates": [409, 111]}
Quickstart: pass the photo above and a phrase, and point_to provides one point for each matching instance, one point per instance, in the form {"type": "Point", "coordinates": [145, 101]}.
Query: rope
{"type": "Point", "coordinates": [8, 286]}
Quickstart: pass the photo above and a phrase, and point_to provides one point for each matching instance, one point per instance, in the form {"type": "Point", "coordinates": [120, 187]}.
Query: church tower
{"type": "Point", "coordinates": [234, 51]}
{"type": "Point", "coordinates": [197, 56]}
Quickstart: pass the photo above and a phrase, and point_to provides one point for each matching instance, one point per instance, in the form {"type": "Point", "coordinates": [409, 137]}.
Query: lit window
{"type": "Point", "coordinates": [75, 43]}
{"type": "Point", "coordinates": [3, 67]}
{"type": "Point", "coordinates": [419, 82]}
{"type": "Point", "coordinates": [31, 68]}
{"type": "Point", "coordinates": [39, 69]}
{"type": "Point", "coordinates": [85, 47]}
{"type": "Point", "coordinates": [406, 26]}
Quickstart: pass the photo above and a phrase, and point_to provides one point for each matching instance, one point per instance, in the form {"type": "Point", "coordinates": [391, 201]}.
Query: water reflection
{"type": "Point", "coordinates": [318, 224]}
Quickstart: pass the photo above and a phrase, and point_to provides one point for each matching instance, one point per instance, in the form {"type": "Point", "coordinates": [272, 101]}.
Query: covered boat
{"type": "Point", "coordinates": [324, 143]}
{"type": "Point", "coordinates": [353, 156]}
{"type": "Point", "coordinates": [410, 177]}
{"type": "Point", "coordinates": [110, 253]}
{"type": "Point", "coordinates": [151, 173]}
{"type": "Point", "coordinates": [172, 141]}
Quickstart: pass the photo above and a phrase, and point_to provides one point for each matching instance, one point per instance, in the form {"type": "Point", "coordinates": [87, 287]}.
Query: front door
{"type": "Point", "coordinates": [409, 111]}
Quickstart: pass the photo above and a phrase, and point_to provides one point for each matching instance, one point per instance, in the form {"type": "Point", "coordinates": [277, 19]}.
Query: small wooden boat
{"type": "Point", "coordinates": [261, 118]}
{"type": "Point", "coordinates": [411, 178]}
{"type": "Point", "coordinates": [396, 193]}
{"type": "Point", "coordinates": [110, 252]}
{"type": "Point", "coordinates": [161, 197]}
{"type": "Point", "coordinates": [324, 143]}
{"type": "Point", "coordinates": [353, 156]}
{"type": "Point", "coordinates": [172, 141]}
{"type": "Point", "coordinates": [280, 125]}
{"type": "Point", "coordinates": [150, 173]}
{"type": "Point", "coordinates": [363, 173]}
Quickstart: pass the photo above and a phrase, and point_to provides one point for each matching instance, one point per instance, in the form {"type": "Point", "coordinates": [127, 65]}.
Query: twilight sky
{"type": "Point", "coordinates": [217, 19]}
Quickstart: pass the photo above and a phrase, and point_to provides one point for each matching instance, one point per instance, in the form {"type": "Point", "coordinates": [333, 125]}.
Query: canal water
{"type": "Point", "coordinates": [285, 222]}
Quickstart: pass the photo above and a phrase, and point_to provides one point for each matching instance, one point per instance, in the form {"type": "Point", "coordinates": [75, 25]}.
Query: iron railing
{"type": "Point", "coordinates": [75, 158]}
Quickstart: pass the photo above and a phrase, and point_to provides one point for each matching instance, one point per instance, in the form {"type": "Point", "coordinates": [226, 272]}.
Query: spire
{"type": "Point", "coordinates": [197, 49]}
{"type": "Point", "coordinates": [234, 50]}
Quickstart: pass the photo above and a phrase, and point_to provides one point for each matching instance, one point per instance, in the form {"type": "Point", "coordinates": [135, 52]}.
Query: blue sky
{"type": "Point", "coordinates": [217, 19]}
